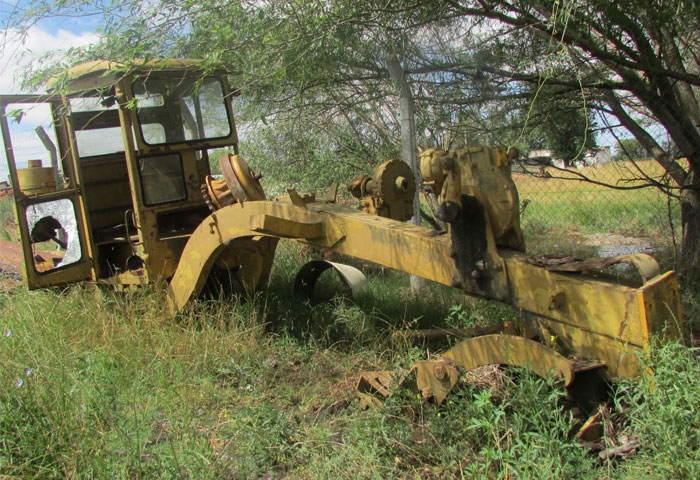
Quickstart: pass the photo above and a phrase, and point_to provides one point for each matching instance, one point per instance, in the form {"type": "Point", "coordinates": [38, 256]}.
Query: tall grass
{"type": "Point", "coordinates": [663, 411]}
{"type": "Point", "coordinates": [95, 384]}
{"type": "Point", "coordinates": [99, 385]}
{"type": "Point", "coordinates": [6, 213]}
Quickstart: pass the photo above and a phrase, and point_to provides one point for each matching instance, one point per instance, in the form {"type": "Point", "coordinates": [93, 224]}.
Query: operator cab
{"type": "Point", "coordinates": [107, 168]}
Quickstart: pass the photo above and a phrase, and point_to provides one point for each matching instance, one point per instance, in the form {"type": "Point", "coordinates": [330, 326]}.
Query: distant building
{"type": "Point", "coordinates": [539, 157]}
{"type": "Point", "coordinates": [599, 156]}
{"type": "Point", "coordinates": [593, 157]}
{"type": "Point", "coordinates": [543, 158]}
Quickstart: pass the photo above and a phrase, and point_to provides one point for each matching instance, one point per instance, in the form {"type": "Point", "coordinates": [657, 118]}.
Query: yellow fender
{"type": "Point", "coordinates": [242, 237]}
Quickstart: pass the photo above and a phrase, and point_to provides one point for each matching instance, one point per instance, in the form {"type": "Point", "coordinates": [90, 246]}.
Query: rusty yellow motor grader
{"type": "Point", "coordinates": [123, 192]}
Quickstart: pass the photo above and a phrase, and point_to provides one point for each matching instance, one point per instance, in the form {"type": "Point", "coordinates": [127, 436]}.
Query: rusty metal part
{"type": "Point", "coordinates": [646, 265]}
{"type": "Point", "coordinates": [376, 383]}
{"type": "Point", "coordinates": [240, 178]}
{"type": "Point", "coordinates": [216, 193]}
{"type": "Point", "coordinates": [514, 351]}
{"type": "Point", "coordinates": [36, 178]}
{"type": "Point", "coordinates": [435, 379]}
{"type": "Point", "coordinates": [388, 192]}
{"type": "Point", "coordinates": [593, 429]}
{"type": "Point", "coordinates": [483, 173]}
{"type": "Point", "coordinates": [306, 278]}
{"type": "Point", "coordinates": [298, 199]}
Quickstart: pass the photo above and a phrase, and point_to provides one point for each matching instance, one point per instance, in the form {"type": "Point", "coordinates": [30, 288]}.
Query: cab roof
{"type": "Point", "coordinates": [99, 74]}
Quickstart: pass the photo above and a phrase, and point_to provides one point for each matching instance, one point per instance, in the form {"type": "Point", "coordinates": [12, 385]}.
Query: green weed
{"type": "Point", "coordinates": [663, 411]}
{"type": "Point", "coordinates": [6, 211]}
{"type": "Point", "coordinates": [96, 384]}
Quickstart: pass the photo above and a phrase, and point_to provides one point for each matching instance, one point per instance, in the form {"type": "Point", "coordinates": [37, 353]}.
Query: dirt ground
{"type": "Point", "coordinates": [11, 257]}
{"type": "Point", "coordinates": [10, 263]}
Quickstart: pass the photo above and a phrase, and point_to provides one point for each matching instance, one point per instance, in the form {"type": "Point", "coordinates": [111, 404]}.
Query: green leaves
{"type": "Point", "coordinates": [15, 115]}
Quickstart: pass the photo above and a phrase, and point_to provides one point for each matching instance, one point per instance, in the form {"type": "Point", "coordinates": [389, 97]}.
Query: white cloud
{"type": "Point", "coordinates": [17, 51]}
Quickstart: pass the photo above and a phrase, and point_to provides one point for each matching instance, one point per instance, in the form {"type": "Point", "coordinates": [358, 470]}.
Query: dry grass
{"type": "Point", "coordinates": [616, 174]}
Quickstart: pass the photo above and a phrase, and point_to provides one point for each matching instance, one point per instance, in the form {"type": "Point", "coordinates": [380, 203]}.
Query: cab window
{"type": "Point", "coordinates": [177, 109]}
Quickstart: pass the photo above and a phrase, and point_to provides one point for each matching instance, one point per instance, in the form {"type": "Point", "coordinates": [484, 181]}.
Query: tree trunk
{"type": "Point", "coordinates": [690, 220]}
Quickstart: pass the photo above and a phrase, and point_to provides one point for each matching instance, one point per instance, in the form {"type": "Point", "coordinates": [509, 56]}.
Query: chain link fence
{"type": "Point", "coordinates": [607, 202]}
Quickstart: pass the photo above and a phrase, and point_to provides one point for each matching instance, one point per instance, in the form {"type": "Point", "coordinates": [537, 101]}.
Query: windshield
{"type": "Point", "coordinates": [176, 109]}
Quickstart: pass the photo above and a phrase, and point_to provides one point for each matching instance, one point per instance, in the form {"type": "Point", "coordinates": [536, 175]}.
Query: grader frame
{"type": "Point", "coordinates": [144, 208]}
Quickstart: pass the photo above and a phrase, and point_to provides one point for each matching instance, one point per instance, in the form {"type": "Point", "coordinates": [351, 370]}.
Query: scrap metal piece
{"type": "Point", "coordinates": [305, 280]}
{"type": "Point", "coordinates": [645, 264]}
{"type": "Point", "coordinates": [374, 383]}
{"type": "Point", "coordinates": [295, 198]}
{"type": "Point", "coordinates": [380, 382]}
{"type": "Point", "coordinates": [512, 350]}
{"type": "Point", "coordinates": [593, 429]}
{"type": "Point", "coordinates": [435, 378]}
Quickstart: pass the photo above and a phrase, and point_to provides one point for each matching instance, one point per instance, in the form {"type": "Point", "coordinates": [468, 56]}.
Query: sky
{"type": "Point", "coordinates": [59, 33]}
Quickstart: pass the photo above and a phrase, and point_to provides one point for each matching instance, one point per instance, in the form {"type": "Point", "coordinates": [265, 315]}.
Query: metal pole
{"type": "Point", "coordinates": [409, 149]}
